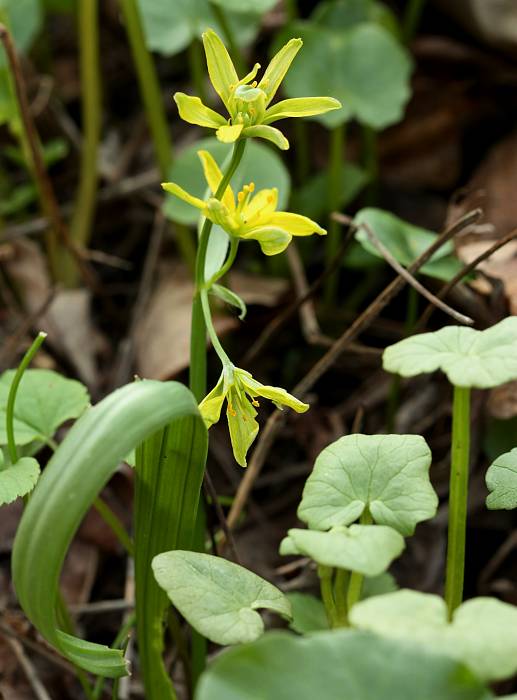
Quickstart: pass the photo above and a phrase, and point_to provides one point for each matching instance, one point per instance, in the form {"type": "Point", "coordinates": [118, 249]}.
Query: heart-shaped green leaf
{"type": "Point", "coordinates": [406, 242]}
{"type": "Point", "coordinates": [44, 401]}
{"type": "Point", "coordinates": [308, 613]}
{"type": "Point", "coordinates": [501, 481]}
{"type": "Point", "coordinates": [170, 26]}
{"type": "Point", "coordinates": [388, 474]}
{"type": "Point", "coordinates": [312, 198]}
{"type": "Point", "coordinates": [367, 549]}
{"type": "Point", "coordinates": [364, 67]}
{"type": "Point", "coordinates": [218, 598]}
{"type": "Point", "coordinates": [18, 479]}
{"type": "Point", "coordinates": [345, 14]}
{"type": "Point", "coordinates": [336, 665]}
{"type": "Point", "coordinates": [469, 358]}
{"type": "Point", "coordinates": [482, 635]}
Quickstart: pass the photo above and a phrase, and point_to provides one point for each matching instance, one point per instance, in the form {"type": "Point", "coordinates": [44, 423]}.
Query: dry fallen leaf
{"type": "Point", "coordinates": [502, 401]}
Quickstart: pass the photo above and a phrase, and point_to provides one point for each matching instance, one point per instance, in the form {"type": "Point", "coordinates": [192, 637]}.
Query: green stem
{"type": "Point", "coordinates": [371, 163]}
{"type": "Point", "coordinates": [458, 496]}
{"type": "Point", "coordinates": [355, 584]}
{"type": "Point", "coordinates": [120, 642]}
{"type": "Point", "coordinates": [340, 587]}
{"type": "Point", "coordinates": [115, 524]}
{"type": "Point", "coordinates": [411, 19]}
{"type": "Point", "coordinates": [197, 377]}
{"type": "Point", "coordinates": [292, 10]}
{"type": "Point", "coordinates": [197, 68]}
{"type": "Point", "coordinates": [84, 209]}
{"type": "Point", "coordinates": [234, 247]}
{"type": "Point", "coordinates": [65, 621]}
{"type": "Point", "coordinates": [227, 30]}
{"type": "Point", "coordinates": [211, 330]}
{"type": "Point", "coordinates": [11, 398]}
{"type": "Point", "coordinates": [335, 179]}
{"type": "Point", "coordinates": [327, 593]}
{"type": "Point", "coordinates": [302, 151]}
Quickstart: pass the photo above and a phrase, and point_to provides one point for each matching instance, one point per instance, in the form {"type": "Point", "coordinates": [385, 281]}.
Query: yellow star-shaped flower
{"type": "Point", "coordinates": [246, 100]}
{"type": "Point", "coordinates": [240, 390]}
{"type": "Point", "coordinates": [248, 216]}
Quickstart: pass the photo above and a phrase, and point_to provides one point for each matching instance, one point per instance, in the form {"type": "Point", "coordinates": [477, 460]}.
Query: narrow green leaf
{"type": "Point", "coordinates": [218, 598]}
{"type": "Point", "coordinates": [229, 297]}
{"type": "Point", "coordinates": [76, 473]}
{"type": "Point", "coordinates": [501, 481]}
{"type": "Point", "coordinates": [18, 479]}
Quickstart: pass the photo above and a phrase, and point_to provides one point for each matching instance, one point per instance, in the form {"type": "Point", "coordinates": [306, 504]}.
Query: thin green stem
{"type": "Point", "coordinates": [120, 642]}
{"type": "Point", "coordinates": [211, 330]}
{"type": "Point", "coordinates": [327, 593]}
{"type": "Point", "coordinates": [458, 496]}
{"type": "Point", "coordinates": [341, 583]}
{"type": "Point", "coordinates": [66, 622]}
{"type": "Point", "coordinates": [115, 524]}
{"type": "Point", "coordinates": [411, 19]}
{"type": "Point", "coordinates": [355, 584]}
{"type": "Point", "coordinates": [227, 30]}
{"type": "Point", "coordinates": [84, 209]}
{"type": "Point", "coordinates": [371, 163]}
{"type": "Point", "coordinates": [302, 154]}
{"type": "Point", "coordinates": [335, 179]}
{"type": "Point", "coordinates": [11, 398]}
{"type": "Point", "coordinates": [291, 9]}
{"type": "Point", "coordinates": [197, 68]}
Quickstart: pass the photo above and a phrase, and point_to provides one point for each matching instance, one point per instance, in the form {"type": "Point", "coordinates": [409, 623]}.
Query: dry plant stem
{"type": "Point", "coordinates": [57, 235]}
{"type": "Point", "coordinates": [424, 319]}
{"type": "Point", "coordinates": [461, 318]}
{"type": "Point", "coordinates": [267, 436]}
{"type": "Point", "coordinates": [29, 670]}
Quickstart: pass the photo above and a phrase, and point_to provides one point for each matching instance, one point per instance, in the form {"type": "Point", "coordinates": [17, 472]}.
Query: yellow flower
{"type": "Point", "coordinates": [240, 390]}
{"type": "Point", "coordinates": [249, 216]}
{"type": "Point", "coordinates": [246, 100]}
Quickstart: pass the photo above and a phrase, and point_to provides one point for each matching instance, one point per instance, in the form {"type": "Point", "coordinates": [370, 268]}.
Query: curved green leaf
{"type": "Point", "coordinates": [388, 474]}
{"type": "Point", "coordinates": [367, 549]}
{"type": "Point", "coordinates": [218, 598]}
{"type": "Point", "coordinates": [231, 298]}
{"type": "Point", "coordinates": [501, 481]}
{"type": "Point", "coordinates": [482, 634]}
{"type": "Point", "coordinates": [79, 469]}
{"type": "Point", "coordinates": [469, 358]}
{"type": "Point", "coordinates": [336, 665]}
{"type": "Point", "coordinates": [18, 479]}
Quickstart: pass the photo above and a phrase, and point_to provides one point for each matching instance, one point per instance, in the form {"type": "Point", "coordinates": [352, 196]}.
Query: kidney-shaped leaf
{"type": "Point", "coordinates": [18, 479]}
{"type": "Point", "coordinates": [363, 67]}
{"type": "Point", "coordinates": [345, 14]}
{"type": "Point", "coordinates": [406, 242]}
{"type": "Point", "coordinates": [483, 632]}
{"type": "Point", "coordinates": [44, 401]}
{"type": "Point", "coordinates": [469, 358]}
{"type": "Point", "coordinates": [501, 481]}
{"type": "Point", "coordinates": [388, 474]}
{"type": "Point", "coordinates": [218, 598]}
{"type": "Point", "coordinates": [367, 549]}
{"type": "Point", "coordinates": [336, 665]}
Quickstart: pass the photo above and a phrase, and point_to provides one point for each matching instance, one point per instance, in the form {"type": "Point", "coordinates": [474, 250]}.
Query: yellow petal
{"type": "Point", "coordinates": [272, 240]}
{"type": "Point", "coordinates": [280, 397]}
{"type": "Point", "coordinates": [193, 111]}
{"type": "Point", "coordinates": [261, 131]}
{"type": "Point", "coordinates": [214, 176]}
{"type": "Point", "coordinates": [220, 67]}
{"type": "Point", "coordinates": [261, 206]}
{"type": "Point", "coordinates": [296, 224]}
{"type": "Point", "coordinates": [229, 134]}
{"type": "Point", "coordinates": [242, 424]}
{"type": "Point", "coordinates": [278, 68]}
{"type": "Point", "coordinates": [179, 192]}
{"type": "Point", "coordinates": [300, 107]}
{"type": "Point", "coordinates": [210, 407]}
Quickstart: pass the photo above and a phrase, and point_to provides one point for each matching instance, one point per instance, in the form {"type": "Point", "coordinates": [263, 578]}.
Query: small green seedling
{"type": "Point", "coordinates": [469, 358]}
{"type": "Point", "coordinates": [482, 633]}
{"type": "Point", "coordinates": [218, 598]}
{"type": "Point", "coordinates": [501, 481]}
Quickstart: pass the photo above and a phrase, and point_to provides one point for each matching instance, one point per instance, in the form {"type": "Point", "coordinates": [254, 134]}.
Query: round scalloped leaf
{"type": "Point", "coordinates": [482, 634]}
{"type": "Point", "coordinates": [45, 400]}
{"type": "Point", "coordinates": [406, 242]}
{"type": "Point", "coordinates": [345, 14]}
{"type": "Point", "coordinates": [336, 665]}
{"type": "Point", "coordinates": [469, 358]}
{"type": "Point", "coordinates": [501, 481]}
{"type": "Point", "coordinates": [388, 474]}
{"type": "Point", "coordinates": [367, 549]}
{"type": "Point", "coordinates": [364, 67]}
{"type": "Point", "coordinates": [18, 479]}
{"type": "Point", "coordinates": [218, 598]}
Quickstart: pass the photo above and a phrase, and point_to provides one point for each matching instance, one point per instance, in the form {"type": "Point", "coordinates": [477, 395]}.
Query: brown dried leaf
{"type": "Point", "coordinates": [502, 402]}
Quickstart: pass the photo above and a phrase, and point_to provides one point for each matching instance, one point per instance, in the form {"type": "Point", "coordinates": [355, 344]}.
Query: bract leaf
{"type": "Point", "coordinates": [336, 665]}
{"type": "Point", "coordinates": [406, 242]}
{"type": "Point", "coordinates": [230, 297]}
{"type": "Point", "coordinates": [469, 358]}
{"type": "Point", "coordinates": [501, 480]}
{"type": "Point", "coordinates": [388, 474]}
{"type": "Point", "coordinates": [218, 598]}
{"type": "Point", "coordinates": [367, 549]}
{"type": "Point", "coordinates": [482, 634]}
{"type": "Point", "coordinates": [44, 401]}
{"type": "Point", "coordinates": [18, 479]}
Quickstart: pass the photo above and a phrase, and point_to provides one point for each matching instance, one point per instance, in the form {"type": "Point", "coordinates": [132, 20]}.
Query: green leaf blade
{"type": "Point", "coordinates": [501, 481]}
{"type": "Point", "coordinates": [18, 479]}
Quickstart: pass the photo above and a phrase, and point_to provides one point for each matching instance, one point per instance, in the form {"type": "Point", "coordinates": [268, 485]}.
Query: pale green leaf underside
{"type": "Point", "coordinates": [469, 358]}
{"type": "Point", "coordinates": [501, 481]}
{"type": "Point", "coordinates": [367, 549]}
{"type": "Point", "coordinates": [18, 479]}
{"type": "Point", "coordinates": [388, 474]}
{"type": "Point", "coordinates": [218, 598]}
{"type": "Point", "coordinates": [308, 613]}
{"type": "Point", "coordinates": [483, 634]}
{"type": "Point", "coordinates": [336, 665]}
{"type": "Point", "coordinates": [44, 401]}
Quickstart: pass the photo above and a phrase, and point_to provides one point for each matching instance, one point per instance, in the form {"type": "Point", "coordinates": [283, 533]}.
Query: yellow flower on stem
{"type": "Point", "coordinates": [240, 390]}
{"type": "Point", "coordinates": [246, 100]}
{"type": "Point", "coordinates": [248, 216]}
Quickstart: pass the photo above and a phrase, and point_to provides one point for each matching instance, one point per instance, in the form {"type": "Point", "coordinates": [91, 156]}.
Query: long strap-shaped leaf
{"type": "Point", "coordinates": [79, 469]}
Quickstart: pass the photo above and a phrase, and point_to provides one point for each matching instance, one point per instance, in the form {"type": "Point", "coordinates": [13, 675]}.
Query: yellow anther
{"type": "Point", "coordinates": [240, 196]}
{"type": "Point", "coordinates": [252, 186]}
{"type": "Point", "coordinates": [270, 199]}
{"type": "Point", "coordinates": [231, 410]}
{"type": "Point", "coordinates": [254, 84]}
{"type": "Point", "coordinates": [255, 403]}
